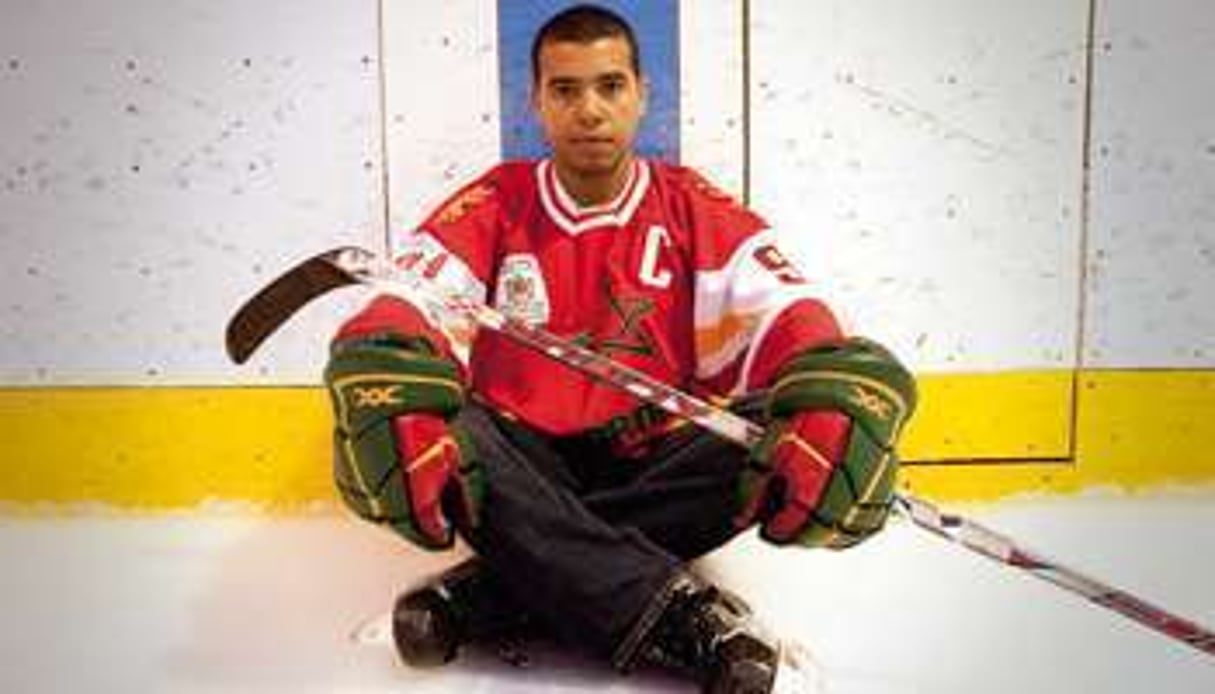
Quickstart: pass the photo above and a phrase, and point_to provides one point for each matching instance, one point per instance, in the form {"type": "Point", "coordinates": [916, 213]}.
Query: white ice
{"type": "Point", "coordinates": [236, 602]}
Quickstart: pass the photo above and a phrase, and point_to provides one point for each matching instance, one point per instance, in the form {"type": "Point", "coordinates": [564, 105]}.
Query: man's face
{"type": "Point", "coordinates": [589, 102]}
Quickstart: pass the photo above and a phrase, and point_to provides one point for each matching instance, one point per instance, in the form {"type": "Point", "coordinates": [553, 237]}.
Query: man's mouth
{"type": "Point", "coordinates": [591, 141]}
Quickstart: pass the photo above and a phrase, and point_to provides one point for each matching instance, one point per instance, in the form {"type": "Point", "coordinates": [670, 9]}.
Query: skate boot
{"type": "Point", "coordinates": [431, 622]}
{"type": "Point", "coordinates": [707, 633]}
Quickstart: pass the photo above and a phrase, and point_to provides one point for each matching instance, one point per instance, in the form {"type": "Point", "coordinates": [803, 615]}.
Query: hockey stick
{"type": "Point", "coordinates": [258, 318]}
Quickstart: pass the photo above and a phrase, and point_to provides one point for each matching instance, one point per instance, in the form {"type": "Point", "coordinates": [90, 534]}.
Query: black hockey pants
{"type": "Point", "coordinates": [582, 540]}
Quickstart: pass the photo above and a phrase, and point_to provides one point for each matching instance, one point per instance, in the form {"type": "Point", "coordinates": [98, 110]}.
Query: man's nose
{"type": "Point", "coordinates": [590, 108]}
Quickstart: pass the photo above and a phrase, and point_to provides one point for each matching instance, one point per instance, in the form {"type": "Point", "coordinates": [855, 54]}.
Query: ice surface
{"type": "Point", "coordinates": [229, 602]}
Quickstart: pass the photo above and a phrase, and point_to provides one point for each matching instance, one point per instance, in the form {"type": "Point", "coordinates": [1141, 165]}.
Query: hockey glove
{"type": "Point", "coordinates": [398, 460]}
{"type": "Point", "coordinates": [825, 472]}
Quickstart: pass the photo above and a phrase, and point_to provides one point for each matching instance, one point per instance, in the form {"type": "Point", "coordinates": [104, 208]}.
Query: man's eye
{"type": "Point", "coordinates": [611, 87]}
{"type": "Point", "coordinates": [565, 92]}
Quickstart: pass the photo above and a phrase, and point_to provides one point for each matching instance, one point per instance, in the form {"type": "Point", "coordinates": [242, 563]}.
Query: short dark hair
{"type": "Point", "coordinates": [584, 24]}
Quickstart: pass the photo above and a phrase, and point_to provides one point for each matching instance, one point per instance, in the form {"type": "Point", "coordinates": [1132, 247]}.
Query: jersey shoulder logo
{"type": "Point", "coordinates": [706, 188]}
{"type": "Point", "coordinates": [464, 202]}
{"type": "Point", "coordinates": [520, 292]}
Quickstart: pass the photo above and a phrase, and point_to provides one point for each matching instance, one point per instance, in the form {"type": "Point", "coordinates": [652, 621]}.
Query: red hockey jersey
{"type": "Point", "coordinates": [673, 278]}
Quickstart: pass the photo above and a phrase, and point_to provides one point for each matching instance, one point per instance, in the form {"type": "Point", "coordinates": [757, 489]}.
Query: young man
{"type": "Point", "coordinates": [583, 506]}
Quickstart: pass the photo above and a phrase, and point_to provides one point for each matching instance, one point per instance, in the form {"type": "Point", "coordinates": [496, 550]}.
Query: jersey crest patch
{"type": "Point", "coordinates": [520, 292]}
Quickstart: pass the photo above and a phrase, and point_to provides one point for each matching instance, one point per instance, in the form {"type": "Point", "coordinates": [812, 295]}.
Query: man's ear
{"type": "Point", "coordinates": [643, 89]}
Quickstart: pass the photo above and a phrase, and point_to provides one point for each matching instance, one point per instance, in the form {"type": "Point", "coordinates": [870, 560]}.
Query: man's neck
{"type": "Point", "coordinates": [589, 190]}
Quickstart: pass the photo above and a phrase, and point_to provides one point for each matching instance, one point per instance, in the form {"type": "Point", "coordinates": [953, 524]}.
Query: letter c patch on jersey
{"type": "Point", "coordinates": [650, 274]}
{"type": "Point", "coordinates": [520, 292]}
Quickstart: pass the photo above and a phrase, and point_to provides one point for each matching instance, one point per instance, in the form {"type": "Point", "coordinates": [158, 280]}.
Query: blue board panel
{"type": "Point", "coordinates": [656, 23]}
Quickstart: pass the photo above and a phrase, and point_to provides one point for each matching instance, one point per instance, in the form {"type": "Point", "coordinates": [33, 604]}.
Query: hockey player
{"type": "Point", "coordinates": [584, 508]}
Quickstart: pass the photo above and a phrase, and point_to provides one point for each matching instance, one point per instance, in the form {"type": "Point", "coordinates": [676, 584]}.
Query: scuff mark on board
{"type": "Point", "coordinates": [900, 107]}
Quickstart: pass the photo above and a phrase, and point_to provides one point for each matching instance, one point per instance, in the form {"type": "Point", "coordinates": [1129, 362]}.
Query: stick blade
{"type": "Point", "coordinates": [267, 310]}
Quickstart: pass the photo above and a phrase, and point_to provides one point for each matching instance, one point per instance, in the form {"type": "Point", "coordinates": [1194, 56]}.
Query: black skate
{"type": "Point", "coordinates": [709, 634]}
{"type": "Point", "coordinates": [431, 622]}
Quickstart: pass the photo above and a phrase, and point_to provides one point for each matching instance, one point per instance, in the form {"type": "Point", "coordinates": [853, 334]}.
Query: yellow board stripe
{"type": "Point", "coordinates": [1022, 415]}
{"type": "Point", "coordinates": [1135, 429]}
{"type": "Point", "coordinates": [165, 447]}
{"type": "Point", "coordinates": [176, 447]}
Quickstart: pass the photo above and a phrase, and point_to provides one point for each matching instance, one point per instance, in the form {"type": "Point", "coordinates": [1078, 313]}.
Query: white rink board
{"type": "Point", "coordinates": [711, 126]}
{"type": "Point", "coordinates": [1151, 261]}
{"type": "Point", "coordinates": [926, 165]}
{"type": "Point", "coordinates": [441, 101]}
{"type": "Point", "coordinates": [161, 160]}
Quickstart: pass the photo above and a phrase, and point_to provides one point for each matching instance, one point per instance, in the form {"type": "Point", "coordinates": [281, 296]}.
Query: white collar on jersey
{"type": "Point", "coordinates": [574, 218]}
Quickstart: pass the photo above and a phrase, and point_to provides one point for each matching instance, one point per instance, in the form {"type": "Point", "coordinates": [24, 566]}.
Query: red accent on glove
{"type": "Point", "coordinates": [431, 461]}
{"type": "Point", "coordinates": [391, 314]}
{"type": "Point", "coordinates": [805, 475]}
